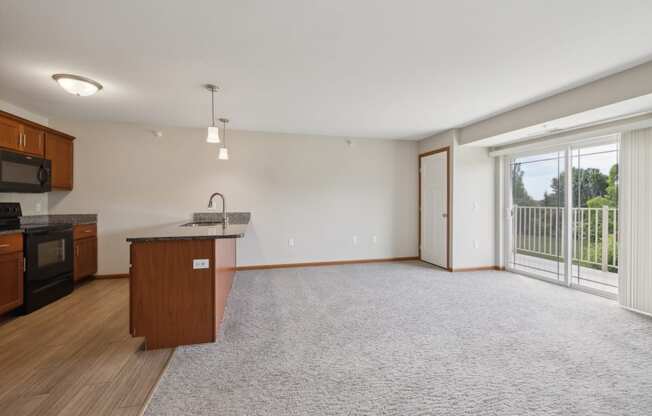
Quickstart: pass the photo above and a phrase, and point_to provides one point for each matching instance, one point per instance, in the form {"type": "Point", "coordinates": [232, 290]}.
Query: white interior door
{"type": "Point", "coordinates": [434, 209]}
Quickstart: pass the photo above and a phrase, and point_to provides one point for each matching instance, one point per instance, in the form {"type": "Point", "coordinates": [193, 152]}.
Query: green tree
{"type": "Point", "coordinates": [587, 184]}
{"type": "Point", "coordinates": [612, 188]}
{"type": "Point", "coordinates": [610, 196]}
{"type": "Point", "coordinates": [519, 193]}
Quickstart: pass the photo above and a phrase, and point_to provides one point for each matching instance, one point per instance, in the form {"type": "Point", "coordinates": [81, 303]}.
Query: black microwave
{"type": "Point", "coordinates": [24, 173]}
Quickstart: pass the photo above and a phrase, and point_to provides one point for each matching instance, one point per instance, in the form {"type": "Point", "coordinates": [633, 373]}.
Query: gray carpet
{"type": "Point", "coordinates": [405, 339]}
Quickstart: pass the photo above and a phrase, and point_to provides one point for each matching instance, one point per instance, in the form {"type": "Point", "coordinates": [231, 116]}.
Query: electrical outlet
{"type": "Point", "coordinates": [374, 239]}
{"type": "Point", "coordinates": [38, 207]}
{"type": "Point", "coordinates": [476, 244]}
{"type": "Point", "coordinates": [291, 242]}
{"type": "Point", "coordinates": [355, 240]}
{"type": "Point", "coordinates": [200, 263]}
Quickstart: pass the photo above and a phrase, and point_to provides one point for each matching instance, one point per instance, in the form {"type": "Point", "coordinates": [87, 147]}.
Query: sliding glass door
{"type": "Point", "coordinates": [570, 238]}
{"type": "Point", "coordinates": [537, 215]}
{"type": "Point", "coordinates": [595, 217]}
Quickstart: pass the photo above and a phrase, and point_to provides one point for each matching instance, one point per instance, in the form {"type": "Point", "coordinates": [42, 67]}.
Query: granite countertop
{"type": "Point", "coordinates": [235, 229]}
{"type": "Point", "coordinates": [72, 219]}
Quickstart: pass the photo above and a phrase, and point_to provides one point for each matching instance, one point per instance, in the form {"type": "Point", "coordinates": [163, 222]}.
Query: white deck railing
{"type": "Point", "coordinates": [538, 231]}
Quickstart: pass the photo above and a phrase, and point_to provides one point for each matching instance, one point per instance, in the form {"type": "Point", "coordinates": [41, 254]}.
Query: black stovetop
{"type": "Point", "coordinates": [10, 214]}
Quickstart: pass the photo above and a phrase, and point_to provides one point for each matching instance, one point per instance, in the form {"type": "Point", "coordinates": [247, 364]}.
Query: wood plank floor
{"type": "Point", "coordinates": [76, 357]}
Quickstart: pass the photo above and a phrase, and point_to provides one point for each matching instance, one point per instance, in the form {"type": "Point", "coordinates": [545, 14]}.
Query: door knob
{"type": "Point", "coordinates": [444, 215]}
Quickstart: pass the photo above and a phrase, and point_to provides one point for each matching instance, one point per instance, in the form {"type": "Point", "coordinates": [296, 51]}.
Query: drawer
{"type": "Point", "coordinates": [84, 231]}
{"type": "Point", "coordinates": [11, 243]}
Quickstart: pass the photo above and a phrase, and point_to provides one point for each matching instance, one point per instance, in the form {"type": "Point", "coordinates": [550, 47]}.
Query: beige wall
{"type": "Point", "coordinates": [318, 190]}
{"type": "Point", "coordinates": [473, 174]}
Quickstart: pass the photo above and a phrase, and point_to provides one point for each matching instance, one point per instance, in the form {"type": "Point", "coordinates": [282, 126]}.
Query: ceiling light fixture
{"type": "Point", "coordinates": [213, 132]}
{"type": "Point", "coordinates": [223, 153]}
{"type": "Point", "coordinates": [77, 85]}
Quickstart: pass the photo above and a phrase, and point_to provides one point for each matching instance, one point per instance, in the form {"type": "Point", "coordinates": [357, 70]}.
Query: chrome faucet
{"type": "Point", "coordinates": [225, 219]}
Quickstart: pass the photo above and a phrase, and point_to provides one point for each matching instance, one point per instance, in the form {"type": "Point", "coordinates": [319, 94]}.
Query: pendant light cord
{"type": "Point", "coordinates": [224, 128]}
{"type": "Point", "coordinates": [213, 105]}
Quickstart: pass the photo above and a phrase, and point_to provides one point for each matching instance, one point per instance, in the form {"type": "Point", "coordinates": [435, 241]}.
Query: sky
{"type": "Point", "coordinates": [540, 169]}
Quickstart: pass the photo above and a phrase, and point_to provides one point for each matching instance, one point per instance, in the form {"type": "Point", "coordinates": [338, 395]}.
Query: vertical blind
{"type": "Point", "coordinates": [635, 200]}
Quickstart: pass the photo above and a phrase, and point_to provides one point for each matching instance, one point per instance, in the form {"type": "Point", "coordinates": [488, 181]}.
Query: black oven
{"type": "Point", "coordinates": [48, 264]}
{"type": "Point", "coordinates": [23, 173]}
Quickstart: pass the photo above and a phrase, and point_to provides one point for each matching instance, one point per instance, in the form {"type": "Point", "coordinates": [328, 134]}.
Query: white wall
{"type": "Point", "coordinates": [30, 203]}
{"type": "Point", "coordinates": [473, 208]}
{"type": "Point", "coordinates": [317, 190]}
{"type": "Point", "coordinates": [473, 191]}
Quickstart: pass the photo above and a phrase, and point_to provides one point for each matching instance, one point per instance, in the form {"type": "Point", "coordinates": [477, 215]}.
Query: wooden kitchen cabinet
{"type": "Point", "coordinates": [21, 136]}
{"type": "Point", "coordinates": [60, 149]}
{"type": "Point", "coordinates": [10, 133]}
{"type": "Point", "coordinates": [33, 141]}
{"type": "Point", "coordinates": [11, 272]}
{"type": "Point", "coordinates": [85, 246]}
{"type": "Point", "coordinates": [24, 136]}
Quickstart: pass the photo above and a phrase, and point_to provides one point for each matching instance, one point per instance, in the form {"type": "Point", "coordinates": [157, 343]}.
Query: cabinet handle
{"type": "Point", "coordinates": [77, 251]}
{"type": "Point", "coordinates": [4, 245]}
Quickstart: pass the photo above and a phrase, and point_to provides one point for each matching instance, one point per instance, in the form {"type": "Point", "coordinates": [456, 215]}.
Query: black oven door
{"type": "Point", "coordinates": [23, 173]}
{"type": "Point", "coordinates": [48, 254]}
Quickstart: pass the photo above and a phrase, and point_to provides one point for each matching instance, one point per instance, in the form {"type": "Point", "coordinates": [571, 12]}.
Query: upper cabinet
{"type": "Point", "coordinates": [10, 134]}
{"type": "Point", "coordinates": [33, 140]}
{"type": "Point", "coordinates": [24, 136]}
{"type": "Point", "coordinates": [59, 149]}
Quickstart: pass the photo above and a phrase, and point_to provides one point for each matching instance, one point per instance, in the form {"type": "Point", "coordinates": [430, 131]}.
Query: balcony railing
{"type": "Point", "coordinates": [538, 232]}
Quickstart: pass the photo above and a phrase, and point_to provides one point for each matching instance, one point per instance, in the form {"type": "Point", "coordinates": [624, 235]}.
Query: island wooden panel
{"type": "Point", "coordinates": [171, 302]}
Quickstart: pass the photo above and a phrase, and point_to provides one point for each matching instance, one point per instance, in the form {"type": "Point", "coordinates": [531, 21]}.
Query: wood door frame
{"type": "Point", "coordinates": [446, 149]}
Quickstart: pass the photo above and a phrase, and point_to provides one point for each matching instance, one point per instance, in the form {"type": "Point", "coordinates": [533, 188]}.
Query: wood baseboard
{"type": "Point", "coordinates": [112, 276]}
{"type": "Point", "coordinates": [322, 263]}
{"type": "Point", "coordinates": [477, 269]}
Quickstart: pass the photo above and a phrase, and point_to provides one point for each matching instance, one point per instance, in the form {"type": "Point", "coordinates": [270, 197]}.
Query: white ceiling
{"type": "Point", "coordinates": [363, 68]}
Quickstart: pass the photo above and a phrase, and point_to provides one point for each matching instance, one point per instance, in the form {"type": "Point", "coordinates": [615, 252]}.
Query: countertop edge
{"type": "Point", "coordinates": [172, 238]}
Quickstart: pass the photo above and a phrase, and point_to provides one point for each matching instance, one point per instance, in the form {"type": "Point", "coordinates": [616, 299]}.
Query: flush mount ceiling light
{"type": "Point", "coordinates": [223, 153]}
{"type": "Point", "coordinates": [77, 85]}
{"type": "Point", "coordinates": [213, 132]}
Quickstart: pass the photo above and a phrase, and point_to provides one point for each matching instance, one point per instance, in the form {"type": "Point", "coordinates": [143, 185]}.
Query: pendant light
{"type": "Point", "coordinates": [223, 153]}
{"type": "Point", "coordinates": [213, 131]}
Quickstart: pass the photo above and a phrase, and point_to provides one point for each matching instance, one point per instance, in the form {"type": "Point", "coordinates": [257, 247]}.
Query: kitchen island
{"type": "Point", "coordinates": [180, 279]}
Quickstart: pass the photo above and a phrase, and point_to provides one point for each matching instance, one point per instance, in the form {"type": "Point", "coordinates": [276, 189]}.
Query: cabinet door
{"type": "Point", "coordinates": [59, 150]}
{"type": "Point", "coordinates": [33, 141]}
{"type": "Point", "coordinates": [9, 133]}
{"type": "Point", "coordinates": [85, 257]}
{"type": "Point", "coordinates": [11, 281]}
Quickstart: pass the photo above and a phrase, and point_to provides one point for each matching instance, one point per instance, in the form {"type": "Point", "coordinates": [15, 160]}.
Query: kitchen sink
{"type": "Point", "coordinates": [202, 224]}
